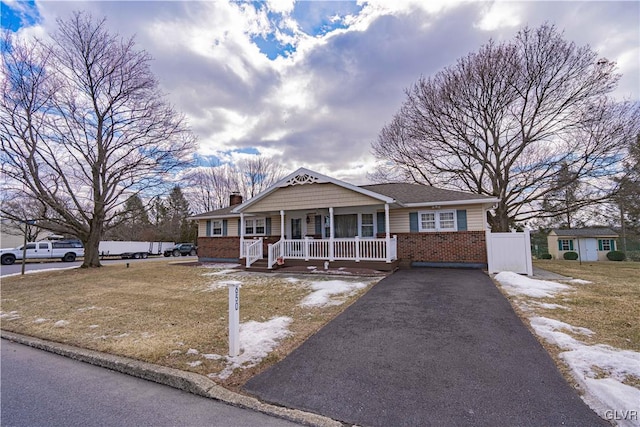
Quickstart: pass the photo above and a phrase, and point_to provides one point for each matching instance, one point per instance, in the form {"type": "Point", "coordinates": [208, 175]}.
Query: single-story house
{"type": "Point", "coordinates": [309, 218]}
{"type": "Point", "coordinates": [591, 244]}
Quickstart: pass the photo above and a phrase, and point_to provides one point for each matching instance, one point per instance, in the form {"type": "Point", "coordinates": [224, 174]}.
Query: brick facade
{"type": "Point", "coordinates": [468, 247]}
{"type": "Point", "coordinates": [218, 247]}
{"type": "Point", "coordinates": [462, 247]}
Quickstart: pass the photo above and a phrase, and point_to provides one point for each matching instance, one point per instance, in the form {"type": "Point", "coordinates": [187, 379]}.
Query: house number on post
{"type": "Point", "coordinates": [234, 319]}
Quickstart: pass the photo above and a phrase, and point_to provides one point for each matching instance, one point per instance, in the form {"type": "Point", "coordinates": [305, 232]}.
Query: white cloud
{"type": "Point", "coordinates": [323, 105]}
{"type": "Point", "coordinates": [500, 14]}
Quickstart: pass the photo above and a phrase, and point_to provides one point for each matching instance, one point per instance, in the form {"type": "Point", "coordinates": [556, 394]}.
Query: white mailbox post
{"type": "Point", "coordinates": [234, 318]}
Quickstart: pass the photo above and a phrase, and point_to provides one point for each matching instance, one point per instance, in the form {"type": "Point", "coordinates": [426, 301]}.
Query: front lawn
{"type": "Point", "coordinates": [177, 315]}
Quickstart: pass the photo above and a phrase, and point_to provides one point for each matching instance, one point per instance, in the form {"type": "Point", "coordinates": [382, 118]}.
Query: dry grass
{"type": "Point", "coordinates": [157, 311]}
{"type": "Point", "coordinates": [609, 305]}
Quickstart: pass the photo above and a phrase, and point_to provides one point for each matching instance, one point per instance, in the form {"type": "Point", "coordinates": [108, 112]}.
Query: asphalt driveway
{"type": "Point", "coordinates": [426, 347]}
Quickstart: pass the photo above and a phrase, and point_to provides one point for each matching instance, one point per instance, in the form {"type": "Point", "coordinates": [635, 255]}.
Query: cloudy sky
{"type": "Point", "coordinates": [311, 83]}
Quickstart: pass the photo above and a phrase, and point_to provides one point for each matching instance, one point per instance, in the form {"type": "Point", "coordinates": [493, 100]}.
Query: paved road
{"type": "Point", "coordinates": [426, 347]}
{"type": "Point", "coordinates": [44, 389]}
{"type": "Point", "coordinates": [16, 268]}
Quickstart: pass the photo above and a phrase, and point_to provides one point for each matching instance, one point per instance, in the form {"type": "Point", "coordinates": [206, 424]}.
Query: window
{"type": "Point", "coordinates": [350, 225]}
{"type": "Point", "coordinates": [605, 245]}
{"type": "Point", "coordinates": [565, 245]}
{"type": "Point", "coordinates": [43, 246]}
{"type": "Point", "coordinates": [437, 221]}
{"type": "Point", "coordinates": [366, 227]}
{"type": "Point", "coordinates": [254, 226]}
{"type": "Point", "coordinates": [345, 225]}
{"type": "Point", "coordinates": [216, 228]}
{"type": "Point", "coordinates": [427, 221]}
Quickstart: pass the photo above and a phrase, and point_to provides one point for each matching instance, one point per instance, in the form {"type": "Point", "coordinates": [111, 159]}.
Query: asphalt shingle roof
{"type": "Point", "coordinates": [223, 211]}
{"type": "Point", "coordinates": [417, 193]}
{"type": "Point", "coordinates": [585, 232]}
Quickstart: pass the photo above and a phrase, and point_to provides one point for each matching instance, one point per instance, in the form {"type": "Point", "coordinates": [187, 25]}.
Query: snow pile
{"type": "Point", "coordinates": [516, 284]}
{"type": "Point", "coordinates": [323, 291]}
{"type": "Point", "coordinates": [589, 363]}
{"type": "Point", "coordinates": [257, 340]}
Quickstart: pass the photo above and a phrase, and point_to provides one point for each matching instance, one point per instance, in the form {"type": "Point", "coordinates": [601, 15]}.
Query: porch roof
{"type": "Point", "coordinates": [305, 176]}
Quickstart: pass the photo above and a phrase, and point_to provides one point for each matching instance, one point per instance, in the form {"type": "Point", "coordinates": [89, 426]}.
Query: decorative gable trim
{"type": "Point", "coordinates": [301, 179]}
{"type": "Point", "coordinates": [305, 176]}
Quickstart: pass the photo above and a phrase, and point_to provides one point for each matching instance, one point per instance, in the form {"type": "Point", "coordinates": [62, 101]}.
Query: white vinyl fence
{"type": "Point", "coordinates": [509, 252]}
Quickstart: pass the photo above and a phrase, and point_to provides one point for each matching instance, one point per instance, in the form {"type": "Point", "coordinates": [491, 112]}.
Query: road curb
{"type": "Point", "coordinates": [187, 381]}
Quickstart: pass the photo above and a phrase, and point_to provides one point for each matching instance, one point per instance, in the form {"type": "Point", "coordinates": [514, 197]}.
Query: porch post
{"type": "Point", "coordinates": [281, 225]}
{"type": "Point", "coordinates": [242, 254]}
{"type": "Point", "coordinates": [331, 255]}
{"type": "Point", "coordinates": [388, 234]}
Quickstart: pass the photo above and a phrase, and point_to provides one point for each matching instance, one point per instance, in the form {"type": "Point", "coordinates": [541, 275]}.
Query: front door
{"type": "Point", "coordinates": [296, 228]}
{"type": "Point", "coordinates": [588, 249]}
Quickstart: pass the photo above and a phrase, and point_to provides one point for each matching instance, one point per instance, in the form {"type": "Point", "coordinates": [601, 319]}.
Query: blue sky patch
{"type": "Point", "coordinates": [25, 15]}
{"type": "Point", "coordinates": [315, 18]}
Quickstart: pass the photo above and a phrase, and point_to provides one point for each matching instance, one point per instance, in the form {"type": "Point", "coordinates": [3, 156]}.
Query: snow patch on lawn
{"type": "Point", "coordinates": [292, 280]}
{"type": "Point", "coordinates": [324, 291]}
{"type": "Point", "coordinates": [580, 282]}
{"type": "Point", "coordinates": [222, 265]}
{"type": "Point", "coordinates": [40, 320]}
{"type": "Point", "coordinates": [221, 285]}
{"type": "Point", "coordinates": [516, 284]}
{"type": "Point", "coordinates": [221, 272]}
{"type": "Point", "coordinates": [550, 306]}
{"type": "Point", "coordinates": [12, 315]}
{"type": "Point", "coordinates": [599, 369]}
{"type": "Point", "coordinates": [61, 323]}
{"type": "Point", "coordinates": [589, 363]}
{"type": "Point", "coordinates": [257, 340]}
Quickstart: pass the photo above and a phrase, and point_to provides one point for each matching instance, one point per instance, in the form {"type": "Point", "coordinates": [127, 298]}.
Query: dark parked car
{"type": "Point", "coordinates": [183, 249]}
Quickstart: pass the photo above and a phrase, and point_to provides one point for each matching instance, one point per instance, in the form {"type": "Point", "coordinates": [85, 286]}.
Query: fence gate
{"type": "Point", "coordinates": [509, 252]}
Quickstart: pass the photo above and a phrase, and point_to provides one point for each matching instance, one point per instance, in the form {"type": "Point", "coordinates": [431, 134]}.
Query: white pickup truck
{"type": "Point", "coordinates": [66, 250]}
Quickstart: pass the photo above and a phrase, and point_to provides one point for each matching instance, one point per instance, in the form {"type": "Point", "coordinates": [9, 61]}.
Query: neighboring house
{"type": "Point", "coordinates": [12, 236]}
{"type": "Point", "coordinates": [311, 218]}
{"type": "Point", "coordinates": [591, 244]}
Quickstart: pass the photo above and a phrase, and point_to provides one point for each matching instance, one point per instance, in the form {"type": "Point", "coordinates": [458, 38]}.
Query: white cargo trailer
{"type": "Point", "coordinates": [131, 249]}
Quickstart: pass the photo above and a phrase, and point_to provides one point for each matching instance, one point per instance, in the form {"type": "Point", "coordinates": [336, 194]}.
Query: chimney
{"type": "Point", "coordinates": [235, 199]}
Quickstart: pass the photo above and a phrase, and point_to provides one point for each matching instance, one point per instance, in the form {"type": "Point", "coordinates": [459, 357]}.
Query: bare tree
{"type": "Point", "coordinates": [256, 174]}
{"type": "Point", "coordinates": [506, 120]}
{"type": "Point", "coordinates": [84, 126]}
{"type": "Point", "coordinates": [212, 184]}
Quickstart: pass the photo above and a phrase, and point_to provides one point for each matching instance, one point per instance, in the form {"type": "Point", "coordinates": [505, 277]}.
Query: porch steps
{"type": "Point", "coordinates": [261, 266]}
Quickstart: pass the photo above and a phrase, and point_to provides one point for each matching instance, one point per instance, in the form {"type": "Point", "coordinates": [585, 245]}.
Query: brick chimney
{"type": "Point", "coordinates": [235, 199]}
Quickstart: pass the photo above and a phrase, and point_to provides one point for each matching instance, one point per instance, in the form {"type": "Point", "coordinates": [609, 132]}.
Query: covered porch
{"type": "Point", "coordinates": [319, 236]}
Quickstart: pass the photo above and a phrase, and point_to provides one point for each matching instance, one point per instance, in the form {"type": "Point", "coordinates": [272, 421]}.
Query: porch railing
{"type": "Point", "coordinates": [355, 249]}
{"type": "Point", "coordinates": [253, 251]}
